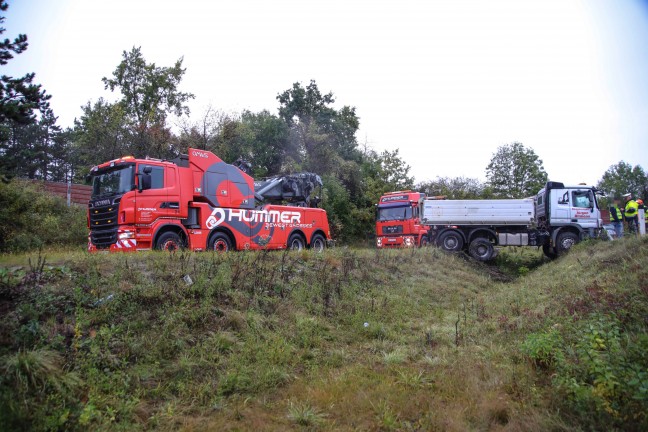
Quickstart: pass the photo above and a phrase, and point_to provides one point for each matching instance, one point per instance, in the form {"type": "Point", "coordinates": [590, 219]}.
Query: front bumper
{"type": "Point", "coordinates": [395, 242]}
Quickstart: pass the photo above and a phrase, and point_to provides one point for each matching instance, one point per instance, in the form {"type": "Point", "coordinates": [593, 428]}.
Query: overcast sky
{"type": "Point", "coordinates": [446, 82]}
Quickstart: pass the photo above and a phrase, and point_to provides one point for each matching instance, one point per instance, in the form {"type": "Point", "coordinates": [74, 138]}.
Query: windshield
{"type": "Point", "coordinates": [394, 213]}
{"type": "Point", "coordinates": [115, 181]}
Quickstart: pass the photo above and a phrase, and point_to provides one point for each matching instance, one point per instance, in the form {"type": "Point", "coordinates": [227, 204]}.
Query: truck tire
{"type": "Point", "coordinates": [481, 249]}
{"type": "Point", "coordinates": [169, 241]}
{"type": "Point", "coordinates": [296, 242]}
{"type": "Point", "coordinates": [451, 241]}
{"type": "Point", "coordinates": [424, 242]}
{"type": "Point", "coordinates": [318, 243]}
{"type": "Point", "coordinates": [549, 251]}
{"type": "Point", "coordinates": [220, 242]}
{"type": "Point", "coordinates": [565, 241]}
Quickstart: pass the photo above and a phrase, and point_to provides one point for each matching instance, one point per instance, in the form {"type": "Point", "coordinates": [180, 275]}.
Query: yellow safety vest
{"type": "Point", "coordinates": [631, 208]}
{"type": "Point", "coordinates": [619, 215]}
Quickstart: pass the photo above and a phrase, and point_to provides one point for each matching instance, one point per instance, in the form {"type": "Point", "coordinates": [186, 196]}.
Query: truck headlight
{"type": "Point", "coordinates": [126, 235]}
{"type": "Point", "coordinates": [379, 242]}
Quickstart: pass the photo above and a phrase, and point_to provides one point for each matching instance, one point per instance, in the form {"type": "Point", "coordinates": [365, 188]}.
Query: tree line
{"type": "Point", "coordinates": [308, 133]}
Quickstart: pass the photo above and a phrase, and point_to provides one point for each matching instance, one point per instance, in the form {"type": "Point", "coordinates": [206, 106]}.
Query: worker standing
{"type": "Point", "coordinates": [642, 206]}
{"type": "Point", "coordinates": [631, 212]}
{"type": "Point", "coordinates": [616, 217]}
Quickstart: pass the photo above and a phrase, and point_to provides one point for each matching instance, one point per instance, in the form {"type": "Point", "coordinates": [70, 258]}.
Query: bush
{"type": "Point", "coordinates": [30, 218]}
{"type": "Point", "coordinates": [600, 370]}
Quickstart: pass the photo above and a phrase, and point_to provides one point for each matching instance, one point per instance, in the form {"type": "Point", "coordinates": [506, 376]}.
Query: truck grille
{"type": "Point", "coordinates": [103, 225]}
{"type": "Point", "coordinates": [396, 229]}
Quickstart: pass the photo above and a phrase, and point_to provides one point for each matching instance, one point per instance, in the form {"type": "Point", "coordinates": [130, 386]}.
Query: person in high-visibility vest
{"type": "Point", "coordinates": [643, 206]}
{"type": "Point", "coordinates": [631, 212]}
{"type": "Point", "coordinates": [616, 217]}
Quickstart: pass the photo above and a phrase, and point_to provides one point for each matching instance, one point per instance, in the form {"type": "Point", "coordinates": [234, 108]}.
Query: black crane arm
{"type": "Point", "coordinates": [292, 188]}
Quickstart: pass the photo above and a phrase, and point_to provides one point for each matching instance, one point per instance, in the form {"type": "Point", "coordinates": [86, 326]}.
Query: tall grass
{"type": "Point", "coordinates": [344, 340]}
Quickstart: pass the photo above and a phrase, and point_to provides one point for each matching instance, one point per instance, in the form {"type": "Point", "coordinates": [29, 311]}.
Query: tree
{"type": "Point", "coordinates": [100, 134]}
{"type": "Point", "coordinates": [321, 137]}
{"type": "Point", "coordinates": [37, 150]}
{"type": "Point", "coordinates": [515, 172]}
{"type": "Point", "coordinates": [455, 188]}
{"type": "Point", "coordinates": [149, 94]}
{"type": "Point", "coordinates": [384, 172]}
{"type": "Point", "coordinates": [623, 178]}
{"type": "Point", "coordinates": [19, 97]}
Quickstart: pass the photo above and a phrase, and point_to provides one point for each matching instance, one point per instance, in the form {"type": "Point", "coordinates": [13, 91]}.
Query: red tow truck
{"type": "Point", "coordinates": [199, 202]}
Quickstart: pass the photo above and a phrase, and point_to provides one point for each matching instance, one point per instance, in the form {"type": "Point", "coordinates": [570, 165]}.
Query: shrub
{"type": "Point", "coordinates": [30, 218]}
{"type": "Point", "coordinates": [600, 370]}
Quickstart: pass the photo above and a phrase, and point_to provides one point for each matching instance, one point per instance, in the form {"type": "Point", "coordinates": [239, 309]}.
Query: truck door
{"type": "Point", "coordinates": [153, 203]}
{"type": "Point", "coordinates": [583, 209]}
{"type": "Point", "coordinates": [560, 207]}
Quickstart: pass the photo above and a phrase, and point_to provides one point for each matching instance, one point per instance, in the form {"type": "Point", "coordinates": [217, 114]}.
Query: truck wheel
{"type": "Point", "coordinates": [220, 242]}
{"type": "Point", "coordinates": [549, 251]}
{"type": "Point", "coordinates": [450, 241]}
{"type": "Point", "coordinates": [296, 242]}
{"type": "Point", "coordinates": [318, 244]}
{"type": "Point", "coordinates": [481, 249]}
{"type": "Point", "coordinates": [565, 241]}
{"type": "Point", "coordinates": [424, 242]}
{"type": "Point", "coordinates": [169, 241]}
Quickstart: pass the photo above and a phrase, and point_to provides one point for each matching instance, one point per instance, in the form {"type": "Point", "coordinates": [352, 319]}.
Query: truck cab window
{"type": "Point", "coordinates": [394, 213]}
{"type": "Point", "coordinates": [583, 199]}
{"type": "Point", "coordinates": [157, 175]}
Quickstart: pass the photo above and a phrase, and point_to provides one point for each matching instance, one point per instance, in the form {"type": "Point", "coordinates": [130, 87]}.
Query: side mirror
{"type": "Point", "coordinates": [144, 181]}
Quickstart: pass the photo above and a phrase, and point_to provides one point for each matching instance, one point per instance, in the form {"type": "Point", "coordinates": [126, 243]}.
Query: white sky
{"type": "Point", "coordinates": [446, 82]}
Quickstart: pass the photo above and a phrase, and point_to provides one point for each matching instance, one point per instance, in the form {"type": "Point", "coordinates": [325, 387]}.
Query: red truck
{"type": "Point", "coordinates": [199, 202]}
{"type": "Point", "coordinates": [398, 221]}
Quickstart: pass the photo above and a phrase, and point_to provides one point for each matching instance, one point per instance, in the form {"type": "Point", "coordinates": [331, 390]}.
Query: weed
{"type": "Point", "coordinates": [304, 414]}
{"type": "Point", "coordinates": [397, 356]}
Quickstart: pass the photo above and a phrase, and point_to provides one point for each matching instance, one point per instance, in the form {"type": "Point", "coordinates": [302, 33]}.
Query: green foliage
{"type": "Point", "coordinates": [39, 150]}
{"type": "Point", "coordinates": [455, 188]}
{"type": "Point", "coordinates": [515, 172]}
{"type": "Point", "coordinates": [100, 134]}
{"type": "Point", "coordinates": [321, 137]}
{"type": "Point", "coordinates": [544, 348]}
{"type": "Point", "coordinates": [623, 178]}
{"type": "Point", "coordinates": [149, 93]}
{"type": "Point", "coordinates": [600, 367]}
{"type": "Point", "coordinates": [19, 97]}
{"type": "Point", "coordinates": [30, 219]}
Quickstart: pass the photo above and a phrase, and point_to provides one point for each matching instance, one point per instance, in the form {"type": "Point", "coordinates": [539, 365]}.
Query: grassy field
{"type": "Point", "coordinates": [344, 340]}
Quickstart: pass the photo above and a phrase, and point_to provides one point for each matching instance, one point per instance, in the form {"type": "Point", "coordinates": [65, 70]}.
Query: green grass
{"type": "Point", "coordinates": [344, 340]}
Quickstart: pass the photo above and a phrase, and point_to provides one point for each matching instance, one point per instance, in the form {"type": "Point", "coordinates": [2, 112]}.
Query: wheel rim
{"type": "Point", "coordinates": [221, 245]}
{"type": "Point", "coordinates": [296, 244]}
{"type": "Point", "coordinates": [481, 250]}
{"type": "Point", "coordinates": [567, 243]}
{"type": "Point", "coordinates": [450, 243]}
{"type": "Point", "coordinates": [170, 246]}
{"type": "Point", "coordinates": [318, 245]}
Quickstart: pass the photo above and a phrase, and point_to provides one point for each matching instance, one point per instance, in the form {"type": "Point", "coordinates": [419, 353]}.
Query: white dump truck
{"type": "Point", "coordinates": [555, 219]}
